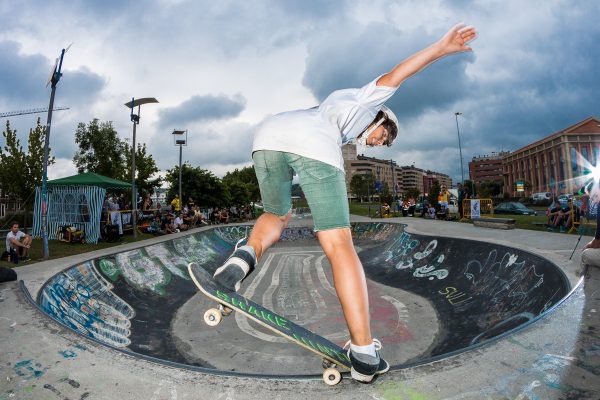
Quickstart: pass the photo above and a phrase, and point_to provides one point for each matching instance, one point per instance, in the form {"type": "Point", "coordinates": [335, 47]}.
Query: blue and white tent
{"type": "Point", "coordinates": [74, 201]}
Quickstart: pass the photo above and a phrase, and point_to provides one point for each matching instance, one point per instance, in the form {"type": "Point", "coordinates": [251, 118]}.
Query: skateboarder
{"type": "Point", "coordinates": [309, 142]}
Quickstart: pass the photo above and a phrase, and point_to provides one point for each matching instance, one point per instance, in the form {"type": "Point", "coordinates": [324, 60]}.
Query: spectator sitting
{"type": "Point", "coordinates": [386, 210]}
{"type": "Point", "coordinates": [156, 226]}
{"type": "Point", "coordinates": [552, 212]}
{"type": "Point", "coordinates": [565, 217]}
{"type": "Point", "coordinates": [247, 213]}
{"type": "Point", "coordinates": [224, 216]}
{"type": "Point", "coordinates": [191, 203]}
{"type": "Point", "coordinates": [17, 243]}
{"type": "Point", "coordinates": [200, 218]}
{"type": "Point", "coordinates": [179, 225]}
{"type": "Point", "coordinates": [147, 205]}
{"type": "Point", "coordinates": [214, 216]}
{"type": "Point", "coordinates": [189, 217]}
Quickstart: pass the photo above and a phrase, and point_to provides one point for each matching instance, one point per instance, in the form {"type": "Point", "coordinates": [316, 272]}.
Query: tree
{"type": "Point", "coordinates": [434, 192]}
{"type": "Point", "coordinates": [358, 186]}
{"type": "Point", "coordinates": [145, 168]}
{"type": "Point", "coordinates": [386, 195]}
{"type": "Point", "coordinates": [239, 192]}
{"type": "Point", "coordinates": [13, 164]}
{"type": "Point", "coordinates": [412, 193]}
{"type": "Point", "coordinates": [100, 150]}
{"type": "Point", "coordinates": [246, 175]}
{"type": "Point", "coordinates": [34, 162]}
{"type": "Point", "coordinates": [490, 189]}
{"type": "Point", "coordinates": [206, 189]}
{"type": "Point", "coordinates": [20, 171]}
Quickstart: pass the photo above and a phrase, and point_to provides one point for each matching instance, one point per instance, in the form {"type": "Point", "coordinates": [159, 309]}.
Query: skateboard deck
{"type": "Point", "coordinates": [332, 354]}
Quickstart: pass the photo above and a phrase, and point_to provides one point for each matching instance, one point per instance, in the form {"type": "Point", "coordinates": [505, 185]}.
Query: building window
{"type": "Point", "coordinates": [574, 160]}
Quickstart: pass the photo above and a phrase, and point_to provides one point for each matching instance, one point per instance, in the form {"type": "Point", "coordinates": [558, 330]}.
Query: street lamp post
{"type": "Point", "coordinates": [180, 140]}
{"type": "Point", "coordinates": [462, 173]}
{"type": "Point", "coordinates": [55, 75]}
{"type": "Point", "coordinates": [135, 118]}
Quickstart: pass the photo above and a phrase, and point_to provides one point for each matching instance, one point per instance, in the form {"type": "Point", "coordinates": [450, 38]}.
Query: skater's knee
{"type": "Point", "coordinates": [335, 239]}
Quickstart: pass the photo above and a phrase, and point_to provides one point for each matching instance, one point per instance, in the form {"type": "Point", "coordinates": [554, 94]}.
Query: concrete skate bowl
{"type": "Point", "coordinates": [430, 297]}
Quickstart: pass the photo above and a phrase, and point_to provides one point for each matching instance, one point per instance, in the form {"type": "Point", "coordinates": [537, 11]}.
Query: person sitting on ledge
{"type": "Point", "coordinates": [17, 243]}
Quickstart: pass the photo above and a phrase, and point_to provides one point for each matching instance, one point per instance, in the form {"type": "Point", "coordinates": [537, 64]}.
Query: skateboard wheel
{"type": "Point", "coordinates": [332, 376]}
{"type": "Point", "coordinates": [225, 311]}
{"type": "Point", "coordinates": [212, 317]}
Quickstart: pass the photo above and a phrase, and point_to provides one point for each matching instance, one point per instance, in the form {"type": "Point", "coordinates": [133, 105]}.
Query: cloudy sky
{"type": "Point", "coordinates": [218, 68]}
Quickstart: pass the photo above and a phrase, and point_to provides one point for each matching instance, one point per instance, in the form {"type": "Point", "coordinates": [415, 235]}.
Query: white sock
{"type": "Point", "coordinates": [368, 349]}
{"type": "Point", "coordinates": [249, 249]}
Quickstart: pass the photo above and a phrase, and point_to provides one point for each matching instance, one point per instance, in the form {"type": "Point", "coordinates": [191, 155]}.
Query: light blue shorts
{"type": "Point", "coordinates": [323, 185]}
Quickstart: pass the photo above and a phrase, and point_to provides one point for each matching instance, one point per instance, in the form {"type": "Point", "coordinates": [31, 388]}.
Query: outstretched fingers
{"type": "Point", "coordinates": [467, 34]}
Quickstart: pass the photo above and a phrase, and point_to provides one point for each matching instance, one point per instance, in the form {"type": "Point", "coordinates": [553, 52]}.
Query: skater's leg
{"type": "Point", "coordinates": [266, 231]}
{"type": "Point", "coordinates": [350, 282]}
{"type": "Point", "coordinates": [325, 190]}
{"type": "Point", "coordinates": [275, 181]}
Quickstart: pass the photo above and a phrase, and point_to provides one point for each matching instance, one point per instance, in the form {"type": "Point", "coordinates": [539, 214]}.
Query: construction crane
{"type": "Point", "coordinates": [32, 111]}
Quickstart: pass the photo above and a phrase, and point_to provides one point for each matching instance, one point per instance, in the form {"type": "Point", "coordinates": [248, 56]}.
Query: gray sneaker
{"type": "Point", "coordinates": [364, 366]}
{"type": "Point", "coordinates": [237, 267]}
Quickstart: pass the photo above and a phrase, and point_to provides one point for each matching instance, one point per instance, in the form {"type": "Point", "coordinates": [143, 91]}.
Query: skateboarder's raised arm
{"type": "Point", "coordinates": [454, 41]}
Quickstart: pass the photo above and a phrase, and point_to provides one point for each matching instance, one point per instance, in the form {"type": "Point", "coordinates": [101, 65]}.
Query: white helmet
{"type": "Point", "coordinates": [391, 116]}
{"type": "Point", "coordinates": [362, 138]}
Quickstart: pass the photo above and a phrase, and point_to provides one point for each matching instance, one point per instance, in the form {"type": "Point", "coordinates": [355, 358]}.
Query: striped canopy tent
{"type": "Point", "coordinates": [74, 201]}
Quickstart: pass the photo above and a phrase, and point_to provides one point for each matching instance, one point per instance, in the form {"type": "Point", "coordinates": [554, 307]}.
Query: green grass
{"type": "Point", "coordinates": [364, 209]}
{"type": "Point", "coordinates": [57, 249]}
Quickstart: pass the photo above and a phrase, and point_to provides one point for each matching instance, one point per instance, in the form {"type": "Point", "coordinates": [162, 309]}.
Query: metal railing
{"type": "Point", "coordinates": [486, 208]}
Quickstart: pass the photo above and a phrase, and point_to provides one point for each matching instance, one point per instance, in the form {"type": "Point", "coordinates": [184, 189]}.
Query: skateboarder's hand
{"type": "Point", "coordinates": [457, 38]}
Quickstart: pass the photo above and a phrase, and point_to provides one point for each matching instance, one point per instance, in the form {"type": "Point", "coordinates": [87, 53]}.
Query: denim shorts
{"type": "Point", "coordinates": [323, 185]}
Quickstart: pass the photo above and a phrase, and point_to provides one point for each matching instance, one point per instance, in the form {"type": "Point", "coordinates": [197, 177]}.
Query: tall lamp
{"type": "Point", "coordinates": [135, 118]}
{"type": "Point", "coordinates": [180, 138]}
{"type": "Point", "coordinates": [462, 173]}
{"type": "Point", "coordinates": [55, 75]}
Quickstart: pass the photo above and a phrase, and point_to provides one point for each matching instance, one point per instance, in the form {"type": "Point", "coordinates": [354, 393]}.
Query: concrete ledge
{"type": "Point", "coordinates": [497, 223]}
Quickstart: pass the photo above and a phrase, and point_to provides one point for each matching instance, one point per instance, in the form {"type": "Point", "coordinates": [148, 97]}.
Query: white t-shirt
{"type": "Point", "coordinates": [320, 132]}
{"type": "Point", "coordinates": [11, 235]}
{"type": "Point", "coordinates": [178, 222]}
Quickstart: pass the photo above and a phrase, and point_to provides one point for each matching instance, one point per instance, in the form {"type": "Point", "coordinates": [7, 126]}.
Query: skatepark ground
{"type": "Point", "coordinates": [156, 346]}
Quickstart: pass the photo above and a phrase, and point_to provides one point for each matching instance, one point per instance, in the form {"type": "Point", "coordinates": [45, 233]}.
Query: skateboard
{"type": "Point", "coordinates": [333, 356]}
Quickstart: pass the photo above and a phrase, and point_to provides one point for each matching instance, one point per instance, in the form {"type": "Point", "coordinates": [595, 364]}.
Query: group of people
{"type": "Point", "coordinates": [176, 217]}
{"type": "Point", "coordinates": [181, 218]}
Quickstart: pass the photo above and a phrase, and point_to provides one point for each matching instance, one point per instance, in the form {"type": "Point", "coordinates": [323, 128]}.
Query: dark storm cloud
{"type": "Point", "coordinates": [24, 78]}
{"type": "Point", "coordinates": [556, 85]}
{"type": "Point", "coordinates": [358, 59]}
{"type": "Point", "coordinates": [202, 109]}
